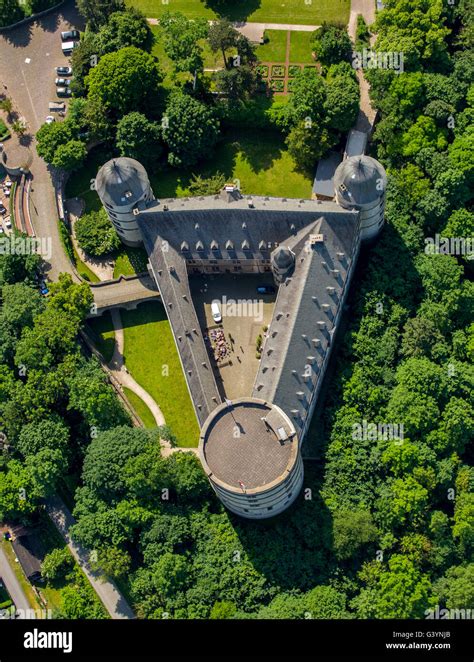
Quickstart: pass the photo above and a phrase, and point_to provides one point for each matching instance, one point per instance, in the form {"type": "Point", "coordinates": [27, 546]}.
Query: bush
{"type": "Point", "coordinates": [262, 69]}
{"type": "Point", "coordinates": [293, 70]}
{"type": "Point", "coordinates": [96, 235]}
{"type": "Point", "coordinates": [277, 85]}
{"type": "Point", "coordinates": [57, 564]}
{"type": "Point", "coordinates": [278, 70]}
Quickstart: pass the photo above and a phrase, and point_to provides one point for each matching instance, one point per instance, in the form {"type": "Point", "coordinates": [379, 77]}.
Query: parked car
{"type": "Point", "coordinates": [50, 119]}
{"type": "Point", "coordinates": [56, 106]}
{"type": "Point", "coordinates": [8, 225]}
{"type": "Point", "coordinates": [216, 312]}
{"type": "Point", "coordinates": [63, 91]}
{"type": "Point", "coordinates": [68, 47]}
{"type": "Point", "coordinates": [266, 289]}
{"type": "Point", "coordinates": [62, 82]}
{"type": "Point", "coordinates": [70, 35]}
{"type": "Point", "coordinates": [44, 291]}
{"type": "Point", "coordinates": [64, 71]}
{"type": "Point", "coordinates": [2, 209]}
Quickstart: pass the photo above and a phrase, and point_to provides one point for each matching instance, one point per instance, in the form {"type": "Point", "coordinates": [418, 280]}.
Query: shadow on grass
{"type": "Point", "coordinates": [234, 11]}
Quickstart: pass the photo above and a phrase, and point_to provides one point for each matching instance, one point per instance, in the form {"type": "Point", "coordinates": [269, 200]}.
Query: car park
{"type": "Point", "coordinates": [70, 35]}
{"type": "Point", "coordinates": [62, 82]}
{"type": "Point", "coordinates": [63, 91]}
{"type": "Point", "coordinates": [64, 71]}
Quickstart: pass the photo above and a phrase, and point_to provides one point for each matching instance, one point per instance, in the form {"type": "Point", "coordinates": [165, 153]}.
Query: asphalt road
{"type": "Point", "coordinates": [29, 55]}
{"type": "Point", "coordinates": [12, 584]}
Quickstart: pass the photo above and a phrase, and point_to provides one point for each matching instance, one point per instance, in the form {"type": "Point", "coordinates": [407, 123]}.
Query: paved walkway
{"type": "Point", "coordinates": [366, 119]}
{"type": "Point", "coordinates": [255, 31]}
{"type": "Point", "coordinates": [12, 584]}
{"type": "Point", "coordinates": [112, 599]}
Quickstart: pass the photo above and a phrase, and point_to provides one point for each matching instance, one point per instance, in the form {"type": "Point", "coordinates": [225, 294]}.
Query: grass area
{"type": "Point", "coordinates": [151, 356]}
{"type": "Point", "coordinates": [274, 48]}
{"type": "Point", "coordinates": [84, 270]}
{"type": "Point", "coordinates": [4, 132]}
{"type": "Point", "coordinates": [261, 11]}
{"type": "Point", "coordinates": [300, 48]}
{"type": "Point", "coordinates": [141, 409]}
{"type": "Point", "coordinates": [79, 183]}
{"type": "Point", "coordinates": [103, 334]}
{"type": "Point", "coordinates": [130, 261]}
{"type": "Point", "coordinates": [258, 159]}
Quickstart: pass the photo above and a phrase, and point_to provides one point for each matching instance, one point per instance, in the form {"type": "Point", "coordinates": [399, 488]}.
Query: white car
{"type": "Point", "coordinates": [8, 225]}
{"type": "Point", "coordinates": [216, 312]}
{"type": "Point", "coordinates": [50, 119]}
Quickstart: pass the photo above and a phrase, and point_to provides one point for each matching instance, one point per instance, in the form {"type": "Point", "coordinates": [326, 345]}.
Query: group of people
{"type": "Point", "coordinates": [219, 344]}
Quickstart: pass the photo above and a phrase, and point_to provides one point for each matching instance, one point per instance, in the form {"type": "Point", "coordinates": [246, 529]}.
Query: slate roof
{"type": "Point", "coordinates": [361, 178]}
{"type": "Point", "coordinates": [355, 144]}
{"type": "Point", "coordinates": [323, 181]}
{"type": "Point", "coordinates": [119, 177]}
{"type": "Point", "coordinates": [212, 227]}
{"type": "Point", "coordinates": [305, 315]}
{"type": "Point", "coordinates": [30, 553]}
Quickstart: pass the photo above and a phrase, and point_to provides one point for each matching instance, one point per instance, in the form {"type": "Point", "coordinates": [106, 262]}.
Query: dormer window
{"type": "Point", "coordinates": [184, 246]}
{"type": "Point", "coordinates": [229, 245]}
{"type": "Point", "coordinates": [199, 246]}
{"type": "Point", "coordinates": [214, 245]}
{"type": "Point", "coordinates": [262, 246]}
{"type": "Point", "coordinates": [245, 245]}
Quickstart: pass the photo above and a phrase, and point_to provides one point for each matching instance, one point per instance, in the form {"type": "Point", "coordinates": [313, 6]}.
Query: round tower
{"type": "Point", "coordinates": [121, 184]}
{"type": "Point", "coordinates": [360, 183]}
{"type": "Point", "coordinates": [249, 450]}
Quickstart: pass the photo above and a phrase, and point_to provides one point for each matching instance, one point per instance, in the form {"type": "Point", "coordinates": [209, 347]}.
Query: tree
{"type": "Point", "coordinates": [113, 562]}
{"type": "Point", "coordinates": [125, 28]}
{"type": "Point", "coordinates": [401, 591]}
{"type": "Point", "coordinates": [20, 304]}
{"type": "Point", "coordinates": [48, 433]}
{"type": "Point", "coordinates": [308, 143]}
{"type": "Point", "coordinates": [306, 103]}
{"type": "Point", "coordinates": [138, 138]}
{"type": "Point", "coordinates": [124, 81]}
{"type": "Point", "coordinates": [170, 575]}
{"type": "Point", "coordinates": [206, 186]}
{"type": "Point", "coordinates": [6, 104]}
{"type": "Point", "coordinates": [107, 456]}
{"type": "Point", "coordinates": [181, 38]}
{"type": "Point", "coordinates": [90, 394]}
{"type": "Point", "coordinates": [57, 564]}
{"type": "Point", "coordinates": [352, 530]}
{"type": "Point", "coordinates": [51, 136]}
{"type": "Point", "coordinates": [70, 156]}
{"type": "Point", "coordinates": [83, 58]}
{"type": "Point", "coordinates": [239, 82]}
{"type": "Point", "coordinates": [424, 133]}
{"type": "Point", "coordinates": [331, 44]}
{"type": "Point", "coordinates": [70, 298]}
{"type": "Point", "coordinates": [342, 102]}
{"type": "Point", "coordinates": [456, 588]}
{"type": "Point", "coordinates": [190, 132]}
{"type": "Point", "coordinates": [95, 234]}
{"type": "Point", "coordinates": [97, 12]}
{"type": "Point", "coordinates": [10, 12]}
{"type": "Point", "coordinates": [222, 610]}
{"type": "Point", "coordinates": [403, 501]}
{"type": "Point", "coordinates": [222, 36]}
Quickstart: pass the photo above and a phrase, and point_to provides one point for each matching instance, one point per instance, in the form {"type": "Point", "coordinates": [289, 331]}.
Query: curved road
{"type": "Point", "coordinates": [12, 584]}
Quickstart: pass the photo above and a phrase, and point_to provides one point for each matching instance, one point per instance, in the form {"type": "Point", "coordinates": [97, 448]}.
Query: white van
{"type": "Point", "coordinates": [216, 312]}
{"type": "Point", "coordinates": [68, 47]}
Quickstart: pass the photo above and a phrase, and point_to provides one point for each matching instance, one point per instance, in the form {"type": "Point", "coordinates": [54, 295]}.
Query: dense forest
{"type": "Point", "coordinates": [384, 527]}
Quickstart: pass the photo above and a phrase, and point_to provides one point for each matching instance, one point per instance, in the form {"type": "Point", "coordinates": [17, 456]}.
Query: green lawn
{"type": "Point", "coordinates": [84, 270]}
{"type": "Point", "coordinates": [258, 159]}
{"type": "Point", "coordinates": [274, 48]}
{"type": "Point", "coordinates": [103, 334]}
{"type": "Point", "coordinates": [261, 11]}
{"type": "Point", "coordinates": [141, 409]}
{"type": "Point", "coordinates": [151, 356]}
{"type": "Point", "coordinates": [300, 49]}
{"type": "Point", "coordinates": [79, 183]}
{"type": "Point", "coordinates": [129, 261]}
{"type": "Point", "coordinates": [211, 60]}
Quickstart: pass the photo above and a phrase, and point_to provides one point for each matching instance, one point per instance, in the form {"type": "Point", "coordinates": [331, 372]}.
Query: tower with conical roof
{"type": "Point", "coordinates": [360, 183]}
{"type": "Point", "coordinates": [122, 184]}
